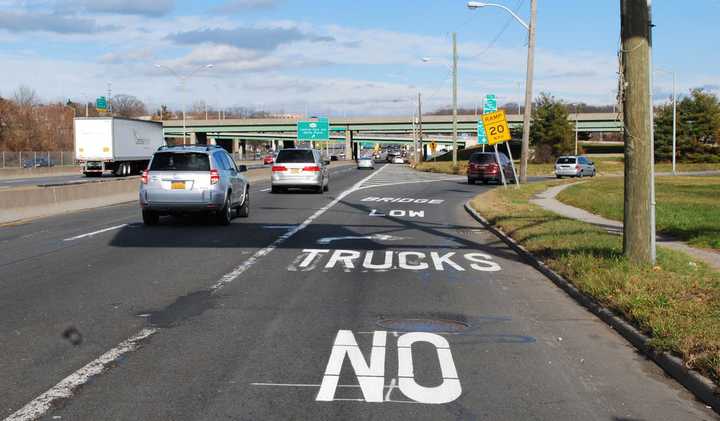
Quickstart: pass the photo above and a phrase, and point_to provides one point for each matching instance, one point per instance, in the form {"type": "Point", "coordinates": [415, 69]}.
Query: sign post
{"type": "Point", "coordinates": [498, 131]}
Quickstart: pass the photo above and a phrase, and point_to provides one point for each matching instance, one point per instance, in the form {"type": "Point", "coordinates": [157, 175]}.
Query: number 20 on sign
{"type": "Point", "coordinates": [496, 127]}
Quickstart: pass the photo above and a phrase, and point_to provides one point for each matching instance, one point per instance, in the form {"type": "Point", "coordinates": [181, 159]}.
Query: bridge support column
{"type": "Point", "coordinates": [243, 149]}
{"type": "Point", "coordinates": [198, 138]}
{"type": "Point", "coordinates": [348, 144]}
{"type": "Point", "coordinates": [235, 146]}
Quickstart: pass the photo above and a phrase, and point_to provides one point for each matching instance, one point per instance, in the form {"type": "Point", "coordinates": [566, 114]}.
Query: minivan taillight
{"type": "Point", "coordinates": [279, 168]}
{"type": "Point", "coordinates": [312, 168]}
{"type": "Point", "coordinates": [214, 177]}
{"type": "Point", "coordinates": [145, 176]}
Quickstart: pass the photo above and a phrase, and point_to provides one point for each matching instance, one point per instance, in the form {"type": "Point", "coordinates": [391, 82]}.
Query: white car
{"type": "Point", "coordinates": [398, 160]}
{"type": "Point", "coordinates": [366, 162]}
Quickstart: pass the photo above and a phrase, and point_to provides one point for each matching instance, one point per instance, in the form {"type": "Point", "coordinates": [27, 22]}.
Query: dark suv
{"type": "Point", "coordinates": [484, 166]}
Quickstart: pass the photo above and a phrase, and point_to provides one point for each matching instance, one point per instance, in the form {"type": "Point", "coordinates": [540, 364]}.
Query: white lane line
{"type": "Point", "coordinates": [63, 390]}
{"type": "Point", "coordinates": [90, 234]}
{"type": "Point", "coordinates": [267, 189]}
{"type": "Point", "coordinates": [231, 276]}
{"type": "Point", "coordinates": [41, 404]}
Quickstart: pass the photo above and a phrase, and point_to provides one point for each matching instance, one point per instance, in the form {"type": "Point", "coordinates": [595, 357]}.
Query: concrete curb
{"type": "Point", "coordinates": [702, 387]}
{"type": "Point", "coordinates": [15, 173]}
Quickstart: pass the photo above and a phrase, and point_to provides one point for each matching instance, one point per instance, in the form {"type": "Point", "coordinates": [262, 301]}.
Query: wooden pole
{"type": "Point", "coordinates": [635, 30]}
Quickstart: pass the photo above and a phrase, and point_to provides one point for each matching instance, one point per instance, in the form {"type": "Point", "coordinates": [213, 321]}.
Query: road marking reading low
{"type": "Point", "coordinates": [90, 234]}
{"type": "Point", "coordinates": [399, 213]}
{"type": "Point", "coordinates": [349, 260]}
{"type": "Point", "coordinates": [41, 404]}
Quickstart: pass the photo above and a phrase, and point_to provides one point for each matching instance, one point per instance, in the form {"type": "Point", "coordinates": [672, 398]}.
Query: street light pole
{"type": "Point", "coordinates": [183, 79]}
{"type": "Point", "coordinates": [525, 151]}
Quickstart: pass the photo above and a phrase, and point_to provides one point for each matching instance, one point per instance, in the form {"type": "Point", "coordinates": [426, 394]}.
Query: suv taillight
{"type": "Point", "coordinates": [279, 168]}
{"type": "Point", "coordinates": [145, 176]}
{"type": "Point", "coordinates": [214, 177]}
{"type": "Point", "coordinates": [312, 168]}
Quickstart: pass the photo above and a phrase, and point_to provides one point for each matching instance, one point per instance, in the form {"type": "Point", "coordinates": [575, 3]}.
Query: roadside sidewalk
{"type": "Point", "coordinates": [547, 200]}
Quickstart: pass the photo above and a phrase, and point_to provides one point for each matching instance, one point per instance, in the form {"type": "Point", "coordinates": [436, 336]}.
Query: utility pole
{"type": "Point", "coordinates": [527, 113]}
{"type": "Point", "coordinates": [636, 82]}
{"type": "Point", "coordinates": [454, 94]}
{"type": "Point", "coordinates": [420, 133]}
{"type": "Point", "coordinates": [674, 135]}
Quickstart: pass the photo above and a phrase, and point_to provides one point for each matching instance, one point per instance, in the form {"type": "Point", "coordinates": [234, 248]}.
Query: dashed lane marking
{"type": "Point", "coordinates": [90, 234]}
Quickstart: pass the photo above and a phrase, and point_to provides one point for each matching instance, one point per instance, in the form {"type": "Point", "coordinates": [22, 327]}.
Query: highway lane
{"type": "Point", "coordinates": [51, 282]}
{"type": "Point", "coordinates": [493, 337]}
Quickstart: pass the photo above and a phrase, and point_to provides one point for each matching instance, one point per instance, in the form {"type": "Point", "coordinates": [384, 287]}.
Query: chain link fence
{"type": "Point", "coordinates": [35, 159]}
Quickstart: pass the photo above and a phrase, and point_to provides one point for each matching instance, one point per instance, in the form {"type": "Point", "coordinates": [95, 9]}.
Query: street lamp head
{"type": "Point", "coordinates": [475, 4]}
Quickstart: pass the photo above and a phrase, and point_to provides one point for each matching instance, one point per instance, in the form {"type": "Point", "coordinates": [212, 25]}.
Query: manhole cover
{"type": "Point", "coordinates": [423, 325]}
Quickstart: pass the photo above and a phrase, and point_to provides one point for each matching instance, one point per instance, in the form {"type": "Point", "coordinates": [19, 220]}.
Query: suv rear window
{"type": "Point", "coordinates": [187, 161]}
{"type": "Point", "coordinates": [565, 161]}
{"type": "Point", "coordinates": [482, 158]}
{"type": "Point", "coordinates": [295, 156]}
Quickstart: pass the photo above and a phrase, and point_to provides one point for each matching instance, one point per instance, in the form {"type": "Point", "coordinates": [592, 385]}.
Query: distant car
{"type": "Point", "coordinates": [37, 163]}
{"type": "Point", "coordinates": [269, 159]}
{"type": "Point", "coordinates": [334, 157]}
{"type": "Point", "coordinates": [398, 160]}
{"type": "Point", "coordinates": [574, 166]}
{"type": "Point", "coordinates": [194, 179]}
{"type": "Point", "coordinates": [300, 168]}
{"type": "Point", "coordinates": [483, 166]}
{"type": "Point", "coordinates": [366, 162]}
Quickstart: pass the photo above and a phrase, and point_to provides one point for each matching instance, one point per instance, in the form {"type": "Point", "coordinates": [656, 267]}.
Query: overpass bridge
{"type": "Point", "coordinates": [233, 134]}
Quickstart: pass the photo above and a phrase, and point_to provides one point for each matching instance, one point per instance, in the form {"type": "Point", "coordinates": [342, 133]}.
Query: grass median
{"type": "Point", "coordinates": [676, 302]}
{"type": "Point", "coordinates": [688, 208]}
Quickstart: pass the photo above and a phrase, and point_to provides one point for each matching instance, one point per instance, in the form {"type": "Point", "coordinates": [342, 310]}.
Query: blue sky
{"type": "Point", "coordinates": [338, 57]}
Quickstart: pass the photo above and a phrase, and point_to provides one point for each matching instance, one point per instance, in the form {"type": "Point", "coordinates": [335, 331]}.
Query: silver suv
{"type": "Point", "coordinates": [190, 179]}
{"type": "Point", "coordinates": [300, 168]}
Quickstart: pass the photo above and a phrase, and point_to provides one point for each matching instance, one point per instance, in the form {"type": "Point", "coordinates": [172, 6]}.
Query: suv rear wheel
{"type": "Point", "coordinates": [224, 215]}
{"type": "Point", "coordinates": [244, 209]}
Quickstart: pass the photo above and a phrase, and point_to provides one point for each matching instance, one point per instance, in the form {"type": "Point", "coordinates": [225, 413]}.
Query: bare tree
{"type": "Point", "coordinates": [128, 106]}
{"type": "Point", "coordinates": [25, 97]}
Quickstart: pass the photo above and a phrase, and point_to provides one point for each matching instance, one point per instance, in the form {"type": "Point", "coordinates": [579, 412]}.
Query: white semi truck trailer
{"type": "Point", "coordinates": [119, 145]}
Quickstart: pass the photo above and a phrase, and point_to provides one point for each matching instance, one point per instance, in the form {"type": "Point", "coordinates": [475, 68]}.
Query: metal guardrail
{"type": "Point", "coordinates": [33, 159]}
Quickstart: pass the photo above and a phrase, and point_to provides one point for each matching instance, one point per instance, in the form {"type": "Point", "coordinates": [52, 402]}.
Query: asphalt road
{"type": "Point", "coordinates": [381, 299]}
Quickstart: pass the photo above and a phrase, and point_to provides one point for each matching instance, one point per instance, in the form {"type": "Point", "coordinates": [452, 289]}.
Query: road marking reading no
{"type": "Point", "coordinates": [371, 377]}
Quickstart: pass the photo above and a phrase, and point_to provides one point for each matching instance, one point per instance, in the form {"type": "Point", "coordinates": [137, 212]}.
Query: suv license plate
{"type": "Point", "coordinates": [177, 185]}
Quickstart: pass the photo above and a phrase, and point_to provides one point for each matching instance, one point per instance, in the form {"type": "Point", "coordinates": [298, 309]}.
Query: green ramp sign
{"type": "Point", "coordinates": [313, 130]}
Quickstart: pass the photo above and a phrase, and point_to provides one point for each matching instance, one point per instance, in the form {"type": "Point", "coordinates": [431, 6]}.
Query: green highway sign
{"type": "Point", "coordinates": [101, 103]}
{"type": "Point", "coordinates": [490, 105]}
{"type": "Point", "coordinates": [313, 130]}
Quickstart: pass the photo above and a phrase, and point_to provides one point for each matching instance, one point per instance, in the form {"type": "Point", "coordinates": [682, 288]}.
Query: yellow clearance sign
{"type": "Point", "coordinates": [496, 127]}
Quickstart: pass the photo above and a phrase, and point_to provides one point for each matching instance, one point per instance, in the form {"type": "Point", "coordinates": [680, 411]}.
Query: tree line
{"type": "Point", "coordinates": [27, 124]}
